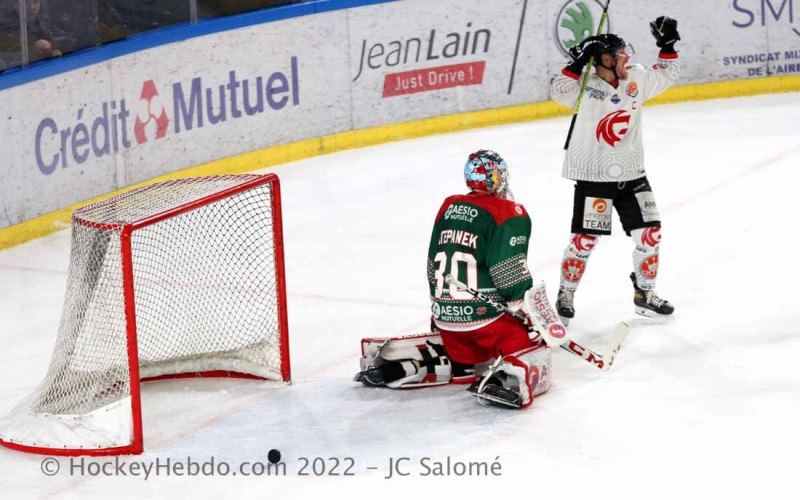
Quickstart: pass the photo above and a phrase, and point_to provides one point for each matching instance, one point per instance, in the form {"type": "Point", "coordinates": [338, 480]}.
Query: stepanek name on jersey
{"type": "Point", "coordinates": [458, 237]}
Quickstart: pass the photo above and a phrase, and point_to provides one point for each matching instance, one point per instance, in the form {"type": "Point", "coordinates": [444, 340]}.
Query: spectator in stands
{"type": "Point", "coordinates": [44, 39]}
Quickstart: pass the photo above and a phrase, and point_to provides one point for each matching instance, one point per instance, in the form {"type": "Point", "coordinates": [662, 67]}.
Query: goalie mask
{"type": "Point", "coordinates": [486, 171]}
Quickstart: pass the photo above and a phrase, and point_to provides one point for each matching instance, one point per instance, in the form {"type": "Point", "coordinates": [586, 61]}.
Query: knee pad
{"type": "Point", "coordinates": [577, 253]}
{"type": "Point", "coordinates": [420, 361]}
{"type": "Point", "coordinates": [647, 241]}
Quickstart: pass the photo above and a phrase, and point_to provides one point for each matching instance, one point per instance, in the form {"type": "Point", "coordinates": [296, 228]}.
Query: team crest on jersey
{"type": "Point", "coordinates": [613, 127]}
{"type": "Point", "coordinates": [632, 89]}
{"type": "Point", "coordinates": [615, 99]}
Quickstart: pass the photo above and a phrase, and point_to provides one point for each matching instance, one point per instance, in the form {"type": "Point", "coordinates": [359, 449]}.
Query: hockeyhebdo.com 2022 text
{"type": "Point", "coordinates": [109, 126]}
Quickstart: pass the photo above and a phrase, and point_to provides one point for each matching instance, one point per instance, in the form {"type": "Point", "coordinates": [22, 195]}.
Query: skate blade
{"type": "Point", "coordinates": [564, 320]}
{"type": "Point", "coordinates": [489, 400]}
{"type": "Point", "coordinates": [647, 313]}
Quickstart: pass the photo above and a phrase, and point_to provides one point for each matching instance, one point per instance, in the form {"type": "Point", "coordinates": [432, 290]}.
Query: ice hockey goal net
{"type": "Point", "coordinates": [177, 278]}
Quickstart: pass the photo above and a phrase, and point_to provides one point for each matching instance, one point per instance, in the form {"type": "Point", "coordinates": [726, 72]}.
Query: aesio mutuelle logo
{"type": "Point", "coordinates": [577, 21]}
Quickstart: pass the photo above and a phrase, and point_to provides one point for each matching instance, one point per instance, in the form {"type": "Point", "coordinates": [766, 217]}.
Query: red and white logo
{"type": "Point", "coordinates": [558, 331]}
{"type": "Point", "coordinates": [584, 242]}
{"type": "Point", "coordinates": [481, 311]}
{"type": "Point", "coordinates": [650, 267]}
{"type": "Point", "coordinates": [600, 205]}
{"type": "Point", "coordinates": [613, 127]}
{"type": "Point", "coordinates": [152, 120]}
{"type": "Point", "coordinates": [533, 378]}
{"type": "Point", "coordinates": [573, 269]}
{"type": "Point", "coordinates": [651, 236]}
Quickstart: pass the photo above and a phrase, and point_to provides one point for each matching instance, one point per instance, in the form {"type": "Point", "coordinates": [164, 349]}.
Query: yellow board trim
{"type": "Point", "coordinates": [284, 153]}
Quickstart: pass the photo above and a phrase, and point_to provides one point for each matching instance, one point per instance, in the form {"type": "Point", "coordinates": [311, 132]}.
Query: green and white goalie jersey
{"type": "Point", "coordinates": [482, 241]}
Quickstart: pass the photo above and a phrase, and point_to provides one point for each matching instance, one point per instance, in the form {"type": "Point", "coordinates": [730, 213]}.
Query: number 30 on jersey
{"type": "Point", "coordinates": [455, 264]}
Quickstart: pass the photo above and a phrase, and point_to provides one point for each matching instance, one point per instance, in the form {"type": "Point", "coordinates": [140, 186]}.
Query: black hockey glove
{"type": "Point", "coordinates": [665, 31]}
{"type": "Point", "coordinates": [583, 52]}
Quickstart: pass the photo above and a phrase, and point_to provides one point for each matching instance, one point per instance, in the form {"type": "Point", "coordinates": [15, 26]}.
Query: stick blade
{"type": "Point", "coordinates": [618, 336]}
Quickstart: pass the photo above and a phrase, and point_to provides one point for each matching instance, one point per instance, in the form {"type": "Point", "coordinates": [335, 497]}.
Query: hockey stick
{"type": "Point", "coordinates": [585, 79]}
{"type": "Point", "coordinates": [603, 362]}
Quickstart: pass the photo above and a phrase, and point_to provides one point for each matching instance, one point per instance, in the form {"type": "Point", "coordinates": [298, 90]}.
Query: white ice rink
{"type": "Point", "coordinates": [704, 406]}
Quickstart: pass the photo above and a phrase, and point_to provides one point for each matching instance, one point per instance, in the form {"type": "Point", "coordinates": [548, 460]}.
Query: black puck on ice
{"type": "Point", "coordinates": [274, 456]}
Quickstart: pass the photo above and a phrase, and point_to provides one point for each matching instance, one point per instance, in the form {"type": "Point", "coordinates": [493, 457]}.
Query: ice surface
{"type": "Point", "coordinates": [704, 406]}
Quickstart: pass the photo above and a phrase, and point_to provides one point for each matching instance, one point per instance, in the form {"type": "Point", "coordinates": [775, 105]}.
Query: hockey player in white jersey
{"type": "Point", "coordinates": [606, 158]}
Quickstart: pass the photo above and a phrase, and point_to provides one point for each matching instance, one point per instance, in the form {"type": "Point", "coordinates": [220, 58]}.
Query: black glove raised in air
{"type": "Point", "coordinates": [665, 31]}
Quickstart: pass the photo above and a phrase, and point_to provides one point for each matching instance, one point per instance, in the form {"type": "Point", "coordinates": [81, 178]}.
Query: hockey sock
{"type": "Point", "coordinates": [645, 256]}
{"type": "Point", "coordinates": [573, 264]}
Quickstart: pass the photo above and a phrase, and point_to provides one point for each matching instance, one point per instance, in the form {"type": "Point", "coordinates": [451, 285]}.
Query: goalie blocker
{"type": "Point", "coordinates": [416, 361]}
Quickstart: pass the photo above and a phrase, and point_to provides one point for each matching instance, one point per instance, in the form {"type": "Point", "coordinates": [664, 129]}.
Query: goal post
{"type": "Point", "coordinates": [180, 278]}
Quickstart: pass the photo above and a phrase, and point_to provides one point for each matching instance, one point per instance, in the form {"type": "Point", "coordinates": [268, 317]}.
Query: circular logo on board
{"type": "Point", "coordinates": [577, 21]}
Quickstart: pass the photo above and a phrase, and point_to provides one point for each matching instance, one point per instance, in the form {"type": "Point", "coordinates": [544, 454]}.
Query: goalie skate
{"type": "Point", "coordinates": [493, 392]}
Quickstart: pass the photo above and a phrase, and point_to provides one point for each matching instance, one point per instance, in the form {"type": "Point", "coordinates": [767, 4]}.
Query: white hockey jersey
{"type": "Point", "coordinates": [606, 145]}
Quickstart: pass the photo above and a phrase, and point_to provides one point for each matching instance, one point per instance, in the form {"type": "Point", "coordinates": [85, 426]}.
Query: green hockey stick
{"type": "Point", "coordinates": [585, 79]}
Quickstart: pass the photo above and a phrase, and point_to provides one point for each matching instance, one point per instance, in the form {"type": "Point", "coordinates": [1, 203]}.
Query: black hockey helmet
{"type": "Point", "coordinates": [611, 44]}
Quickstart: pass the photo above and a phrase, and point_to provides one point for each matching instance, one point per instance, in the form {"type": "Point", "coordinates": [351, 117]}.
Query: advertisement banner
{"type": "Point", "coordinates": [417, 59]}
{"type": "Point", "coordinates": [87, 132]}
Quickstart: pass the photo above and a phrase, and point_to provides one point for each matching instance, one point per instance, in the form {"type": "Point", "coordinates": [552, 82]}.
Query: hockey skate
{"type": "Point", "coordinates": [649, 304]}
{"type": "Point", "coordinates": [565, 306]}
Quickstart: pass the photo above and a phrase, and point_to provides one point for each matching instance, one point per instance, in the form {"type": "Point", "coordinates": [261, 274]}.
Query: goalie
{"type": "Point", "coordinates": [481, 239]}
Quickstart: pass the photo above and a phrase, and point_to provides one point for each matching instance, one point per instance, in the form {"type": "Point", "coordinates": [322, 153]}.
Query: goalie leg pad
{"type": "Point", "coordinates": [409, 362]}
{"type": "Point", "coordinates": [518, 378]}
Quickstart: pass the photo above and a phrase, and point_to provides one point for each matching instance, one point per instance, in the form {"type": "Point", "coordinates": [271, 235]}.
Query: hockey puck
{"type": "Point", "coordinates": [274, 456]}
